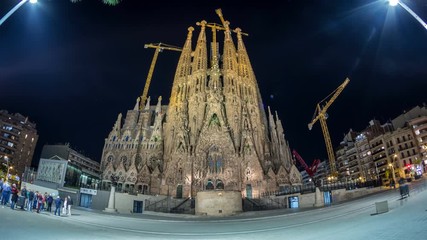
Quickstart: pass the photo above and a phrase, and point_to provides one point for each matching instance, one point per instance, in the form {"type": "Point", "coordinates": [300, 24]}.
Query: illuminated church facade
{"type": "Point", "coordinates": [214, 134]}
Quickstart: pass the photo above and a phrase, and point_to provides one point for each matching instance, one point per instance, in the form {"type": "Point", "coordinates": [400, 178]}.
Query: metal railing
{"type": "Point", "coordinates": [304, 189]}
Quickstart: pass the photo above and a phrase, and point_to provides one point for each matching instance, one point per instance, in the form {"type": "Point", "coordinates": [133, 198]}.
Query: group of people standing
{"type": "Point", "coordinates": [33, 200]}
{"type": "Point", "coordinates": [66, 206]}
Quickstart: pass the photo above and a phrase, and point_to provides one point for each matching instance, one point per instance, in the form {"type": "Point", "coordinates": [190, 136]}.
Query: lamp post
{"type": "Point", "coordinates": [393, 174]}
{"type": "Point", "coordinates": [8, 167]}
{"type": "Point", "coordinates": [17, 6]}
{"type": "Point", "coordinates": [392, 169]}
{"type": "Point", "coordinates": [398, 2]}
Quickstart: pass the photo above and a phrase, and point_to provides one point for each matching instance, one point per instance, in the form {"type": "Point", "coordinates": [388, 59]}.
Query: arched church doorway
{"type": "Point", "coordinates": [145, 189]}
{"type": "Point", "coordinates": [179, 191]}
{"type": "Point", "coordinates": [248, 191]}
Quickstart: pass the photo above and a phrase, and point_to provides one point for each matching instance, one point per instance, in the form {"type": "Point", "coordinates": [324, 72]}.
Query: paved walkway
{"type": "Point", "coordinates": [353, 220]}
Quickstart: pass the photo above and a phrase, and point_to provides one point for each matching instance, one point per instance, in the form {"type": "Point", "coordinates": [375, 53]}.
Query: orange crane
{"type": "Point", "coordinates": [159, 47]}
{"type": "Point", "coordinates": [321, 115]}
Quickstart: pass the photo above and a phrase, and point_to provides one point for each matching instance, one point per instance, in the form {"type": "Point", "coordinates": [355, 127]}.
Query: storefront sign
{"type": "Point", "coordinates": [88, 191]}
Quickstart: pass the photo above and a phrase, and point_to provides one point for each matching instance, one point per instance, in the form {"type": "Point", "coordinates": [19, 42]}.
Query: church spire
{"type": "Point", "coordinates": [245, 67]}
{"type": "Point", "coordinates": [159, 105]}
{"type": "Point", "coordinates": [184, 64]}
{"type": "Point", "coordinates": [117, 127]}
{"type": "Point", "coordinates": [147, 105]}
{"type": "Point", "coordinates": [136, 105]}
{"type": "Point", "coordinates": [230, 60]}
{"type": "Point", "coordinates": [182, 70]}
{"type": "Point", "coordinates": [200, 53]}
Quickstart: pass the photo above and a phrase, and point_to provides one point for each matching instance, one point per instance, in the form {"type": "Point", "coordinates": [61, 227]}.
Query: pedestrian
{"type": "Point", "coordinates": [69, 204]}
{"type": "Point", "coordinates": [49, 203]}
{"type": "Point", "coordinates": [1, 188]}
{"type": "Point", "coordinates": [64, 208]}
{"type": "Point", "coordinates": [35, 200]}
{"type": "Point", "coordinates": [5, 194]}
{"type": "Point", "coordinates": [14, 192]}
{"type": "Point", "coordinates": [44, 201]}
{"type": "Point", "coordinates": [30, 200]}
{"type": "Point", "coordinates": [24, 194]}
{"type": "Point", "coordinates": [39, 202]}
{"type": "Point", "coordinates": [58, 206]}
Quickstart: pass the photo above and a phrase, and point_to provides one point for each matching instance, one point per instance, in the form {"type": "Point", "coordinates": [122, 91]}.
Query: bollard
{"type": "Point", "coordinates": [382, 207]}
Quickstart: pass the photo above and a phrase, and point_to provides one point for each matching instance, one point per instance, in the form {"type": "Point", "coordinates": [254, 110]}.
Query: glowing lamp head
{"type": "Point", "coordinates": [33, 1]}
{"type": "Point", "coordinates": [393, 2]}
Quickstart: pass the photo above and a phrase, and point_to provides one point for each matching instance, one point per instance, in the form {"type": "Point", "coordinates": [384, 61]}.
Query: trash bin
{"type": "Point", "coordinates": [404, 190]}
{"type": "Point", "coordinates": [20, 202]}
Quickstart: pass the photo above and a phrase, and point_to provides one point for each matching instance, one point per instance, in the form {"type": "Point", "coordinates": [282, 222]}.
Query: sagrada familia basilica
{"type": "Point", "coordinates": [214, 134]}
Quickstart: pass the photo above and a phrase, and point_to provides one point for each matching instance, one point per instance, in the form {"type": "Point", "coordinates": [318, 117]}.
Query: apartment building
{"type": "Point", "coordinates": [386, 152]}
{"type": "Point", "coordinates": [18, 139]}
{"type": "Point", "coordinates": [419, 126]}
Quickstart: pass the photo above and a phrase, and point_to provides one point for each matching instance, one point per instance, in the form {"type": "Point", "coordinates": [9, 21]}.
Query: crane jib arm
{"type": "Point", "coordinates": [321, 112]}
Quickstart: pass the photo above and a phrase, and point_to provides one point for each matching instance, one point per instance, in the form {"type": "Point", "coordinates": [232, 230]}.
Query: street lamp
{"type": "Point", "coordinates": [7, 173]}
{"type": "Point", "coordinates": [14, 9]}
{"type": "Point", "coordinates": [398, 2]}
{"type": "Point", "coordinates": [393, 174]}
{"type": "Point", "coordinates": [392, 169]}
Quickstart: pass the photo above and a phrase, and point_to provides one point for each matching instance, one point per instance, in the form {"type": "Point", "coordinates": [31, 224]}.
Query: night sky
{"type": "Point", "coordinates": [72, 68]}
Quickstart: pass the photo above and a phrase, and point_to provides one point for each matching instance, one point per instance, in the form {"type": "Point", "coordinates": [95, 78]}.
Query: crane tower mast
{"type": "Point", "coordinates": [159, 47]}
{"type": "Point", "coordinates": [321, 115]}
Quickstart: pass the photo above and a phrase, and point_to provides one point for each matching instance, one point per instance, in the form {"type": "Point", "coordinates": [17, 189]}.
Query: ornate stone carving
{"type": "Point", "coordinates": [215, 129]}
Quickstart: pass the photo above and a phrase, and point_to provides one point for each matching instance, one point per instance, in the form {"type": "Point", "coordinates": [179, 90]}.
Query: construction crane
{"type": "Point", "coordinates": [321, 115]}
{"type": "Point", "coordinates": [310, 170]}
{"type": "Point", "coordinates": [159, 47]}
{"type": "Point", "coordinates": [224, 22]}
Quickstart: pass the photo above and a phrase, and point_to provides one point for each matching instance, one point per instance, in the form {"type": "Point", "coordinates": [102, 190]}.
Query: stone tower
{"type": "Point", "coordinates": [214, 134]}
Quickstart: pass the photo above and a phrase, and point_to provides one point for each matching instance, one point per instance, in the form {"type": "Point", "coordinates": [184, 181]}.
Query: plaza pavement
{"type": "Point", "coordinates": [407, 218]}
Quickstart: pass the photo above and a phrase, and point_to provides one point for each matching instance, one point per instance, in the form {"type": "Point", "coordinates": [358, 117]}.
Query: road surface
{"type": "Point", "coordinates": [406, 219]}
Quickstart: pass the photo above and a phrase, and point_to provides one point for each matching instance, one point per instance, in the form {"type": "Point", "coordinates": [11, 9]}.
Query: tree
{"type": "Point", "coordinates": [108, 2]}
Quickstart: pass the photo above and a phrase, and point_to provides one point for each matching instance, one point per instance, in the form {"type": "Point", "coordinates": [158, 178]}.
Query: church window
{"type": "Point", "coordinates": [127, 138]}
{"type": "Point", "coordinates": [209, 185]}
{"type": "Point", "coordinates": [219, 184]}
{"type": "Point", "coordinates": [214, 120]}
{"type": "Point", "coordinates": [215, 160]}
{"type": "Point", "coordinates": [180, 174]}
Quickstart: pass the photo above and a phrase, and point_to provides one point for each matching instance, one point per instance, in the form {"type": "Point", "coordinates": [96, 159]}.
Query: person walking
{"type": "Point", "coordinates": [30, 200]}
{"type": "Point", "coordinates": [49, 203]}
{"type": "Point", "coordinates": [69, 204]}
{"type": "Point", "coordinates": [39, 202]}
{"type": "Point", "coordinates": [58, 206]}
{"type": "Point", "coordinates": [14, 196]}
{"type": "Point", "coordinates": [1, 189]}
{"type": "Point", "coordinates": [24, 196]}
{"type": "Point", "coordinates": [5, 194]}
{"type": "Point", "coordinates": [64, 208]}
{"type": "Point", "coordinates": [35, 200]}
{"type": "Point", "coordinates": [44, 205]}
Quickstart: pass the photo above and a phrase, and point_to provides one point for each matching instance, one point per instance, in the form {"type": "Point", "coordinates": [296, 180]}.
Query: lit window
{"type": "Point", "coordinates": [26, 135]}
